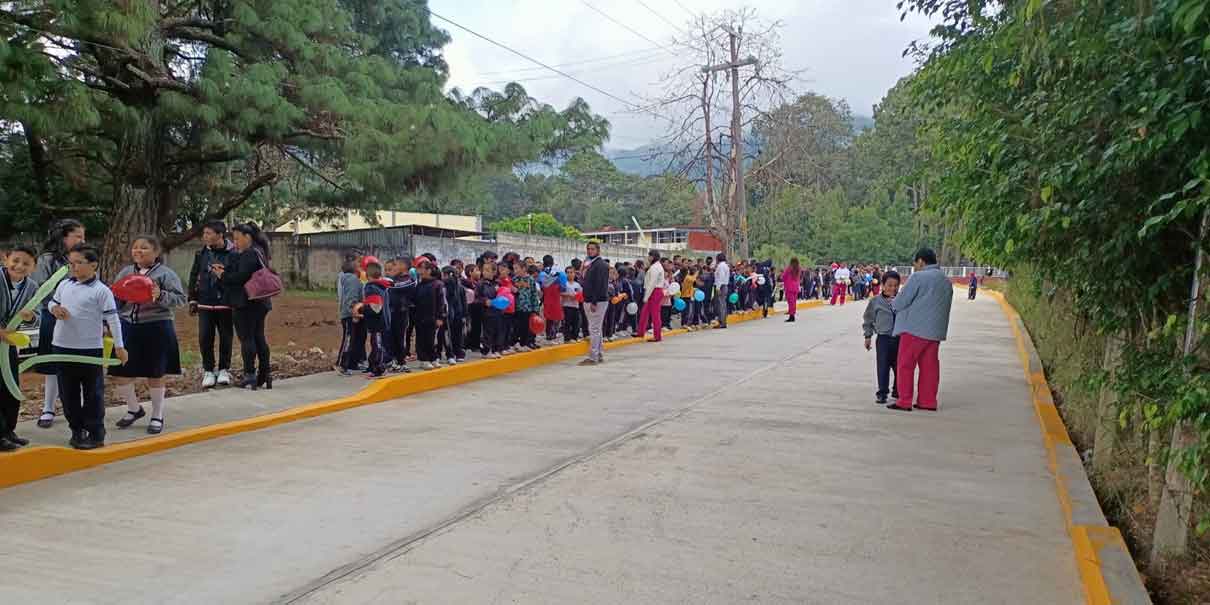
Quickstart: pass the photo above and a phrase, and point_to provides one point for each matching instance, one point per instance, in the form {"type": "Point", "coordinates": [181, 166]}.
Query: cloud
{"type": "Point", "coordinates": [848, 48]}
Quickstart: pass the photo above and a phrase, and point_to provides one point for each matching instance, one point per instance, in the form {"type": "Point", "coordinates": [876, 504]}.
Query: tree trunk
{"type": "Point", "coordinates": [1171, 537]}
{"type": "Point", "coordinates": [1107, 409]}
{"type": "Point", "coordinates": [41, 169]}
{"type": "Point", "coordinates": [134, 212]}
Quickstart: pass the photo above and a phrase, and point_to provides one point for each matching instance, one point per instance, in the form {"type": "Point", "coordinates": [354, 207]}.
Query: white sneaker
{"type": "Point", "coordinates": [493, 356]}
{"type": "Point", "coordinates": [224, 377]}
{"type": "Point", "coordinates": [426, 366]}
{"type": "Point", "coordinates": [451, 361]}
{"type": "Point", "coordinates": [209, 379]}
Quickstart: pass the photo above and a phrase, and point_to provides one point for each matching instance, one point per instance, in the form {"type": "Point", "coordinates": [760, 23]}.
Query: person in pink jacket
{"type": "Point", "coordinates": [791, 279]}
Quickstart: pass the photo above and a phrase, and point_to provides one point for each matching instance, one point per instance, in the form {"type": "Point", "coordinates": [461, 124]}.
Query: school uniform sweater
{"type": "Point", "coordinates": [879, 317]}
{"type": "Point", "coordinates": [91, 306]}
{"type": "Point", "coordinates": [14, 296]}
{"type": "Point", "coordinates": [348, 293]}
{"type": "Point", "coordinates": [172, 294]}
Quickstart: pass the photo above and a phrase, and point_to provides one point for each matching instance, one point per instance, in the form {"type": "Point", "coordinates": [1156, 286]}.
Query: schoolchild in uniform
{"type": "Point", "coordinates": [376, 316]}
{"type": "Point", "coordinates": [492, 341]}
{"type": "Point", "coordinates": [349, 294]}
{"type": "Point", "coordinates": [16, 290]}
{"type": "Point", "coordinates": [429, 315]}
{"type": "Point", "coordinates": [450, 335]}
{"type": "Point", "coordinates": [64, 235]}
{"type": "Point", "coordinates": [150, 334]}
{"type": "Point", "coordinates": [83, 307]}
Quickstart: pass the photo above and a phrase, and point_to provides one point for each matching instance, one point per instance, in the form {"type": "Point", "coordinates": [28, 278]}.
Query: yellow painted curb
{"type": "Point", "coordinates": [34, 463]}
{"type": "Point", "coordinates": [1087, 541]}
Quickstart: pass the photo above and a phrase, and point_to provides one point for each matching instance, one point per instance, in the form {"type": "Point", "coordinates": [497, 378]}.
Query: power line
{"type": "Point", "coordinates": [636, 54]}
{"type": "Point", "coordinates": [624, 26]}
{"type": "Point", "coordinates": [657, 14]}
{"type": "Point", "coordinates": [634, 63]}
{"type": "Point", "coordinates": [530, 59]}
{"type": "Point", "coordinates": [691, 13]}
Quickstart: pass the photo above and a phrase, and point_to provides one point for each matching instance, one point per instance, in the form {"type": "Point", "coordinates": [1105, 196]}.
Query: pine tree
{"type": "Point", "coordinates": [166, 113]}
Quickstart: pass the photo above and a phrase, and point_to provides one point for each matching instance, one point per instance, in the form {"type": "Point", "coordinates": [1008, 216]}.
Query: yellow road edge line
{"type": "Point", "coordinates": [1086, 540]}
{"type": "Point", "coordinates": [41, 462]}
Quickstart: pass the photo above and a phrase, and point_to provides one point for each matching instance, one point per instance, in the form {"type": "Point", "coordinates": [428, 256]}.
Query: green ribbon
{"type": "Point", "coordinates": [10, 381]}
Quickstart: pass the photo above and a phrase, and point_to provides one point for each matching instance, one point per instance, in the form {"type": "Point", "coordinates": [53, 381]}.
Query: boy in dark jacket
{"type": "Point", "coordinates": [451, 334]}
{"type": "Point", "coordinates": [400, 299]}
{"type": "Point", "coordinates": [206, 301]}
{"type": "Point", "coordinates": [429, 314]}
{"type": "Point", "coordinates": [376, 316]}
{"type": "Point", "coordinates": [493, 338]}
{"type": "Point", "coordinates": [19, 288]}
{"type": "Point", "coordinates": [349, 293]}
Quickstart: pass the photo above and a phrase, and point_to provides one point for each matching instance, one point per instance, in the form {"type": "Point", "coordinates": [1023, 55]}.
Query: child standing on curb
{"type": "Point", "coordinates": [529, 303]}
{"type": "Point", "coordinates": [879, 320]}
{"type": "Point", "coordinates": [150, 330]}
{"type": "Point", "coordinates": [491, 342]}
{"type": "Point", "coordinates": [17, 289]}
{"type": "Point", "coordinates": [348, 295]}
{"type": "Point", "coordinates": [450, 336]}
{"type": "Point", "coordinates": [83, 307]}
{"type": "Point", "coordinates": [571, 307]}
{"type": "Point", "coordinates": [376, 317]}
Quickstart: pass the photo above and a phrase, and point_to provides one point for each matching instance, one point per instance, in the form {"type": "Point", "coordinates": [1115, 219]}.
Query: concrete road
{"type": "Point", "coordinates": [742, 465]}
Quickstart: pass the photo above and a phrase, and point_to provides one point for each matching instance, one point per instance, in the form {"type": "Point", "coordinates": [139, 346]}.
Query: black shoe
{"type": "Point", "coordinates": [267, 382]}
{"type": "Point", "coordinates": [130, 418]}
{"type": "Point", "coordinates": [77, 437]}
{"type": "Point", "coordinates": [90, 444]}
{"type": "Point", "coordinates": [790, 319]}
{"type": "Point", "coordinates": [155, 426]}
{"type": "Point", "coordinates": [895, 406]}
{"type": "Point", "coordinates": [8, 446]}
{"type": "Point", "coordinates": [248, 383]}
{"type": "Point", "coordinates": [880, 400]}
{"type": "Point", "coordinates": [15, 439]}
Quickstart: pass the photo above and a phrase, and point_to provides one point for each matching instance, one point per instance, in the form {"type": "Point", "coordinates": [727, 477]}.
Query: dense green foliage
{"type": "Point", "coordinates": [541, 223]}
{"type": "Point", "coordinates": [162, 114]}
{"type": "Point", "coordinates": [822, 190]}
{"type": "Point", "coordinates": [1072, 136]}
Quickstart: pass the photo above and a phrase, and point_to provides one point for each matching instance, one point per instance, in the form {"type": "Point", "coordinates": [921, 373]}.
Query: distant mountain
{"type": "Point", "coordinates": [652, 159]}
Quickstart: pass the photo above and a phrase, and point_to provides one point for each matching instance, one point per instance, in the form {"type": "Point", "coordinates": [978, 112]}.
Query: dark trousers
{"type": "Point", "coordinates": [666, 317]}
{"type": "Point", "coordinates": [208, 323]}
{"type": "Point", "coordinates": [250, 326]}
{"type": "Point", "coordinates": [886, 351]}
{"type": "Point", "coordinates": [82, 391]}
{"type": "Point", "coordinates": [972, 292]}
{"type": "Point", "coordinates": [611, 320]}
{"type": "Point", "coordinates": [393, 338]}
{"type": "Point", "coordinates": [348, 358]}
{"type": "Point", "coordinates": [378, 352]}
{"type": "Point", "coordinates": [426, 340]}
{"type": "Point", "coordinates": [522, 335]}
{"type": "Point", "coordinates": [9, 406]}
{"type": "Point", "coordinates": [571, 323]}
{"type": "Point", "coordinates": [552, 328]}
{"type": "Point", "coordinates": [451, 337]}
{"type": "Point", "coordinates": [476, 327]}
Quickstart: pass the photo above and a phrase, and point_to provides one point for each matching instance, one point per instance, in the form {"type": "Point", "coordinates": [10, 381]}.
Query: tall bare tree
{"type": "Point", "coordinates": [700, 104]}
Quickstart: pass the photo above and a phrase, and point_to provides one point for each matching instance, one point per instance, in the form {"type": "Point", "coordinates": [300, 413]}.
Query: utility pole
{"type": "Point", "coordinates": [739, 201]}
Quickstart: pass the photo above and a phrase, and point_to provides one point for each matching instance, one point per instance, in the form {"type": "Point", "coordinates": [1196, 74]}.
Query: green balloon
{"type": "Point", "coordinates": [734, 298]}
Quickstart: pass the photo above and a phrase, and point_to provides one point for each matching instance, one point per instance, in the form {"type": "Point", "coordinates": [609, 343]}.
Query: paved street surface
{"type": "Point", "coordinates": [745, 465]}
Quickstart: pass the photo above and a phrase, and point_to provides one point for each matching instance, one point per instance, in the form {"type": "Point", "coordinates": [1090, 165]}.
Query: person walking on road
{"type": "Point", "coordinates": [974, 286]}
{"type": "Point", "coordinates": [722, 279]}
{"type": "Point", "coordinates": [653, 297]}
{"type": "Point", "coordinates": [922, 317]}
{"type": "Point", "coordinates": [596, 301]}
{"type": "Point", "coordinates": [791, 279]}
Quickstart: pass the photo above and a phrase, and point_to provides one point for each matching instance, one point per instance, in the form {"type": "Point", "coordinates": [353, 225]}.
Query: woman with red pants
{"type": "Point", "coordinates": [653, 296]}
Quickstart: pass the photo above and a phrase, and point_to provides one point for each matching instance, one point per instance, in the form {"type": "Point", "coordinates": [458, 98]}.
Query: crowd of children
{"type": "Point", "coordinates": [416, 309]}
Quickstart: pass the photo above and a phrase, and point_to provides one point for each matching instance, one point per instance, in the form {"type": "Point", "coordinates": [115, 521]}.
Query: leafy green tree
{"type": "Point", "coordinates": [541, 223]}
{"type": "Point", "coordinates": [170, 111]}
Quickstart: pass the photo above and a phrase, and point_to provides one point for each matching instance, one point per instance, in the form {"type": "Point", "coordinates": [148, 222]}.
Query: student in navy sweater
{"type": "Point", "coordinates": [430, 314]}
{"type": "Point", "coordinates": [376, 316]}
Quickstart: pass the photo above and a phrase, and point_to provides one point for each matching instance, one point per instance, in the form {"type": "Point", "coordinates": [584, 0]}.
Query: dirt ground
{"type": "Point", "coordinates": [303, 331]}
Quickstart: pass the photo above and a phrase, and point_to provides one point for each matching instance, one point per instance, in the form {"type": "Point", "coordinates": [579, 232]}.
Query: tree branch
{"type": "Point", "coordinates": [173, 240]}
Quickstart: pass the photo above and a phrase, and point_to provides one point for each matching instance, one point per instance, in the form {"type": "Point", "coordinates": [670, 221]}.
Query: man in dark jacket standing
{"type": "Point", "coordinates": [206, 301]}
{"type": "Point", "coordinates": [596, 301]}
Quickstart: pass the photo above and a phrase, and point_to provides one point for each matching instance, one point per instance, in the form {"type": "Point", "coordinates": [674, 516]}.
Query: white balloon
{"type": "Point", "coordinates": [674, 288]}
{"type": "Point", "coordinates": [632, 308]}
{"type": "Point", "coordinates": [760, 280]}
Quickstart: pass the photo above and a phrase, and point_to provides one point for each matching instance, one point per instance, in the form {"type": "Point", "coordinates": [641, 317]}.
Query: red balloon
{"type": "Point", "coordinates": [537, 325]}
{"type": "Point", "coordinates": [580, 297]}
{"type": "Point", "coordinates": [133, 288]}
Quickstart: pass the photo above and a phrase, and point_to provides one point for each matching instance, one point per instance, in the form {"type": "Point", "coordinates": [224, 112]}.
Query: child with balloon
{"type": "Point", "coordinates": [147, 291]}
{"type": "Point", "coordinates": [488, 291]}
{"type": "Point", "coordinates": [16, 290]}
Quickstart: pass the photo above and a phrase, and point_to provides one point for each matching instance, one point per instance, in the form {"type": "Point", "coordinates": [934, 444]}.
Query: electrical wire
{"type": "Point", "coordinates": [646, 61]}
{"type": "Point", "coordinates": [635, 54]}
{"type": "Point", "coordinates": [530, 59]}
{"type": "Point", "coordinates": [657, 14]}
{"type": "Point", "coordinates": [624, 26]}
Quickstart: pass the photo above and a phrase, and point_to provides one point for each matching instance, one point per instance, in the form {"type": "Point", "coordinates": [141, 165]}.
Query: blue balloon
{"type": "Point", "coordinates": [500, 302]}
{"type": "Point", "coordinates": [562, 279]}
{"type": "Point", "coordinates": [679, 304]}
{"type": "Point", "coordinates": [698, 295]}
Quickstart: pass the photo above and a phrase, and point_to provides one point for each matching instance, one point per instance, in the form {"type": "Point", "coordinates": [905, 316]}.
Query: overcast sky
{"type": "Point", "coordinates": [850, 49]}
